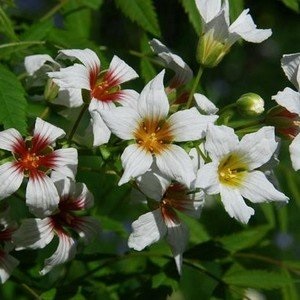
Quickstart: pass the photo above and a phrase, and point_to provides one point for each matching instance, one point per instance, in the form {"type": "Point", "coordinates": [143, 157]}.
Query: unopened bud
{"type": "Point", "coordinates": [250, 105]}
{"type": "Point", "coordinates": [286, 124]}
{"type": "Point", "coordinates": [210, 52]}
{"type": "Point", "coordinates": [51, 90]}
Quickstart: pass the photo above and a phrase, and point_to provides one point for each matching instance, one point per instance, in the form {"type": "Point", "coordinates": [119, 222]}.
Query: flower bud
{"type": "Point", "coordinates": [286, 124]}
{"type": "Point", "coordinates": [210, 52]}
{"type": "Point", "coordinates": [250, 105]}
{"type": "Point", "coordinates": [51, 90]}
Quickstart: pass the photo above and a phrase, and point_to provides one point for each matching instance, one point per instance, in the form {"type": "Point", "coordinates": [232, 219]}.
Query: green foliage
{"type": "Point", "coordinates": [193, 14]}
{"type": "Point", "coordinates": [12, 101]}
{"type": "Point", "coordinates": [6, 26]}
{"type": "Point", "coordinates": [292, 4]}
{"type": "Point", "coordinates": [142, 12]}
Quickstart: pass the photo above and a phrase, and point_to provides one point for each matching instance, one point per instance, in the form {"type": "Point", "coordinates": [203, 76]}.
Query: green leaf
{"type": "Point", "coordinates": [6, 26]}
{"type": "Point", "coordinates": [235, 7]}
{"type": "Point", "coordinates": [94, 4]}
{"type": "Point", "coordinates": [12, 101]}
{"type": "Point", "coordinates": [142, 12]}
{"type": "Point", "coordinates": [292, 4]}
{"type": "Point", "coordinates": [258, 279]}
{"type": "Point", "coordinates": [193, 14]}
{"type": "Point", "coordinates": [244, 239]}
{"type": "Point", "coordinates": [38, 31]}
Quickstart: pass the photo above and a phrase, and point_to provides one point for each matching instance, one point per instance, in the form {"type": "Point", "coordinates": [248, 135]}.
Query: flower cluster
{"type": "Point", "coordinates": [175, 152]}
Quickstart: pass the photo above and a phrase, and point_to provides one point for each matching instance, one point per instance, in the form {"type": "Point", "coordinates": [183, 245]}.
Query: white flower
{"type": "Point", "coordinates": [205, 105]}
{"type": "Point", "coordinates": [37, 233]}
{"type": "Point", "coordinates": [103, 85]}
{"type": "Point", "coordinates": [35, 158]}
{"type": "Point", "coordinates": [218, 35]}
{"type": "Point", "coordinates": [183, 73]}
{"type": "Point", "coordinates": [233, 171]}
{"type": "Point", "coordinates": [154, 134]}
{"type": "Point", "coordinates": [163, 221]}
{"type": "Point", "coordinates": [290, 99]}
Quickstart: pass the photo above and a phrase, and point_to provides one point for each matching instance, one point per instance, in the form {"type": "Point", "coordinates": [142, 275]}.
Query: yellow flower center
{"type": "Point", "coordinates": [153, 136]}
{"type": "Point", "coordinates": [232, 170]}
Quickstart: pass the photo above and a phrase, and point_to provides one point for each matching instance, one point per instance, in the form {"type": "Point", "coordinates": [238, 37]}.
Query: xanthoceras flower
{"type": "Point", "coordinates": [103, 86]}
{"type": "Point", "coordinates": [35, 158]}
{"type": "Point", "coordinates": [234, 172]}
{"type": "Point", "coordinates": [163, 221]}
{"type": "Point", "coordinates": [37, 233]}
{"type": "Point", "coordinates": [290, 99]}
{"type": "Point", "coordinates": [154, 134]}
{"type": "Point", "coordinates": [218, 35]}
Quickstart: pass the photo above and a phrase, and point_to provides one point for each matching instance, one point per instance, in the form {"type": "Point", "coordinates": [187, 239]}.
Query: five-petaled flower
{"type": "Point", "coordinates": [163, 221]}
{"type": "Point", "coordinates": [35, 158]}
{"type": "Point", "coordinates": [103, 85]}
{"type": "Point", "coordinates": [37, 233]}
{"type": "Point", "coordinates": [154, 134]}
{"type": "Point", "coordinates": [290, 99]}
{"type": "Point", "coordinates": [233, 171]}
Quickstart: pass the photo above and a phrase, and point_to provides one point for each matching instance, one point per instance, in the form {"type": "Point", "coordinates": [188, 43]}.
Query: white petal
{"type": "Point", "coordinates": [153, 102]}
{"type": "Point", "coordinates": [208, 9]}
{"type": "Point", "coordinates": [175, 163]}
{"type": "Point", "coordinates": [33, 234]}
{"type": "Point", "coordinates": [135, 161]}
{"type": "Point", "coordinates": [257, 148]}
{"type": "Point", "coordinates": [245, 28]}
{"type": "Point", "coordinates": [289, 99]}
{"type": "Point", "coordinates": [73, 77]}
{"type": "Point", "coordinates": [192, 206]}
{"type": "Point", "coordinates": [119, 72]}
{"type": "Point", "coordinates": [122, 121]}
{"type": "Point", "coordinates": [101, 132]}
{"type": "Point", "coordinates": [220, 140]}
{"type": "Point", "coordinates": [34, 62]}
{"type": "Point", "coordinates": [153, 184]}
{"type": "Point", "coordinates": [10, 179]}
{"type": "Point", "coordinates": [207, 178]}
{"type": "Point", "coordinates": [88, 57]}
{"type": "Point", "coordinates": [101, 105]}
{"type": "Point", "coordinates": [217, 28]}
{"type": "Point", "coordinates": [129, 98]}
{"type": "Point", "coordinates": [69, 98]}
{"type": "Point", "coordinates": [177, 238]}
{"type": "Point", "coordinates": [88, 228]}
{"type": "Point", "coordinates": [45, 134]}
{"type": "Point", "coordinates": [257, 188]}
{"type": "Point", "coordinates": [183, 72]}
{"type": "Point", "coordinates": [205, 105]}
{"type": "Point", "coordinates": [146, 230]}
{"type": "Point", "coordinates": [65, 251]}
{"type": "Point", "coordinates": [41, 195]}
{"type": "Point", "coordinates": [7, 265]}
{"type": "Point", "coordinates": [11, 140]}
{"type": "Point", "coordinates": [235, 205]}
{"type": "Point", "coordinates": [189, 125]}
{"type": "Point", "coordinates": [290, 65]}
{"type": "Point", "coordinates": [65, 161]}
{"type": "Point", "coordinates": [295, 152]}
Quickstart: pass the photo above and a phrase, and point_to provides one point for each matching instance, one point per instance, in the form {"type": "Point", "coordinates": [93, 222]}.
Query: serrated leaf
{"type": "Point", "coordinates": [292, 4]}
{"type": "Point", "coordinates": [6, 26]}
{"type": "Point", "coordinates": [258, 279]}
{"type": "Point", "coordinates": [38, 31]}
{"type": "Point", "coordinates": [244, 239]}
{"type": "Point", "coordinates": [12, 101]}
{"type": "Point", "coordinates": [142, 12]}
{"type": "Point", "coordinates": [193, 14]}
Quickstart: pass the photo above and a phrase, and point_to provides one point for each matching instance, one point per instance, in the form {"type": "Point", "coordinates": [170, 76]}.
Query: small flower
{"type": "Point", "coordinates": [103, 86]}
{"type": "Point", "coordinates": [35, 158]}
{"type": "Point", "coordinates": [37, 233]}
{"type": "Point", "coordinates": [154, 134]}
{"type": "Point", "coordinates": [233, 171]}
{"type": "Point", "coordinates": [183, 73]}
{"type": "Point", "coordinates": [250, 105]}
{"type": "Point", "coordinates": [290, 99]}
{"type": "Point", "coordinates": [218, 35]}
{"type": "Point", "coordinates": [163, 221]}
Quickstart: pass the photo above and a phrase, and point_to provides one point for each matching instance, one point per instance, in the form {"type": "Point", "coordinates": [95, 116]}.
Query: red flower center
{"type": "Point", "coordinates": [30, 161]}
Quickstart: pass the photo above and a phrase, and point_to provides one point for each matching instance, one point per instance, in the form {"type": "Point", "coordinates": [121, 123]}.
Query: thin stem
{"type": "Point", "coordinates": [45, 112]}
{"type": "Point", "coordinates": [142, 55]}
{"type": "Point", "coordinates": [76, 124]}
{"type": "Point", "coordinates": [31, 291]}
{"type": "Point", "coordinates": [53, 11]}
{"type": "Point", "coordinates": [229, 106]}
{"type": "Point", "coordinates": [22, 43]}
{"type": "Point", "coordinates": [194, 87]}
